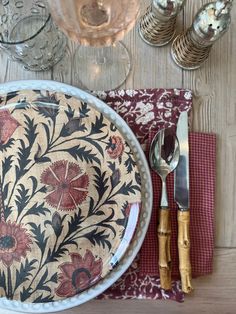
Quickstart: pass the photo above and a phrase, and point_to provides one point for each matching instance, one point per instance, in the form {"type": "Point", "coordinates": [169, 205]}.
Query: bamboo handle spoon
{"type": "Point", "coordinates": [164, 157]}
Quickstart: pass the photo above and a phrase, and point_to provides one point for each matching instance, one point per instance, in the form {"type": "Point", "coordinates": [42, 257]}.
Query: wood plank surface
{"type": "Point", "coordinates": [215, 111]}
{"type": "Point", "coordinates": [214, 87]}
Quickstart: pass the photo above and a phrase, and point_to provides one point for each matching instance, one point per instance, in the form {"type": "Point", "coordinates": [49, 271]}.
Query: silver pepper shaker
{"type": "Point", "coordinates": [157, 25]}
{"type": "Point", "coordinates": [190, 49]}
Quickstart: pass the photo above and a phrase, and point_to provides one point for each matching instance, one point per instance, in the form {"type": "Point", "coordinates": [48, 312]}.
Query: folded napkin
{"type": "Point", "coordinates": [147, 111]}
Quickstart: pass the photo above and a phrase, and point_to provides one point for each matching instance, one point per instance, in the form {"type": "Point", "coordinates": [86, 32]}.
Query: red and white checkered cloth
{"type": "Point", "coordinates": [202, 186]}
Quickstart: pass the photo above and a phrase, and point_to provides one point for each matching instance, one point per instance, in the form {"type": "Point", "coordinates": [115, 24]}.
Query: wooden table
{"type": "Point", "coordinates": [214, 110]}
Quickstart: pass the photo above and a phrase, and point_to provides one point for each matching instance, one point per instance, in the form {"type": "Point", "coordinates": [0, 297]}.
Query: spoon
{"type": "Point", "coordinates": [164, 157]}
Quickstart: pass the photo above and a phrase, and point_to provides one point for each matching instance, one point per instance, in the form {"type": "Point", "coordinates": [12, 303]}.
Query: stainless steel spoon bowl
{"type": "Point", "coordinates": [164, 157]}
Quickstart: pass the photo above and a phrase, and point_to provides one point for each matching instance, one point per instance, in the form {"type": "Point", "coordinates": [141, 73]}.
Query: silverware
{"type": "Point", "coordinates": [164, 157]}
{"type": "Point", "coordinates": [181, 191]}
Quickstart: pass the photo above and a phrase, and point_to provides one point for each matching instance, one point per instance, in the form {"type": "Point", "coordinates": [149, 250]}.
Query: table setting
{"type": "Point", "coordinates": [106, 192]}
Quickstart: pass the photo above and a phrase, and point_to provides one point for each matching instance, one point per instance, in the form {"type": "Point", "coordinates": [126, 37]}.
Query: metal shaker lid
{"type": "Point", "coordinates": [212, 20]}
{"type": "Point", "coordinates": [165, 9]}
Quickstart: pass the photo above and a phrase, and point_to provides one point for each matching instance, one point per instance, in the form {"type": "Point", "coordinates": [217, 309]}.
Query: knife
{"type": "Point", "coordinates": [181, 194]}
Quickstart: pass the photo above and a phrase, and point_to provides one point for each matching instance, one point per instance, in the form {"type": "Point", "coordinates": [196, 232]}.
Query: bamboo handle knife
{"type": "Point", "coordinates": [184, 250]}
{"type": "Point", "coordinates": [182, 199]}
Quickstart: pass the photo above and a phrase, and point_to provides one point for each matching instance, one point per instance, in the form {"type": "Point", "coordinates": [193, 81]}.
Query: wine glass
{"type": "Point", "coordinates": [101, 62]}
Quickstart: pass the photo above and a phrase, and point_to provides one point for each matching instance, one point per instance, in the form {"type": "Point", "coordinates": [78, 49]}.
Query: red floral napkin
{"type": "Point", "coordinates": [146, 111]}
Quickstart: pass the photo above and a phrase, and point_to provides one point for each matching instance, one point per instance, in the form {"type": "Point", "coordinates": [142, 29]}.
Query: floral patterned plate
{"type": "Point", "coordinates": [74, 182]}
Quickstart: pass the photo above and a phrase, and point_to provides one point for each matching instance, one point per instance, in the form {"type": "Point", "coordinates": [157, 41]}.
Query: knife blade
{"type": "Point", "coordinates": [181, 195]}
{"type": "Point", "coordinates": [181, 190]}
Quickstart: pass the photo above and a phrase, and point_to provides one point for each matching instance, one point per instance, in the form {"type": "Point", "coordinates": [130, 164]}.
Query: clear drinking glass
{"type": "Point", "coordinates": [101, 62]}
{"type": "Point", "coordinates": [28, 34]}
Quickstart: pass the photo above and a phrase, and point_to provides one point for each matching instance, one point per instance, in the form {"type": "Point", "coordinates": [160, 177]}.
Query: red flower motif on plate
{"type": "Point", "coordinates": [127, 210]}
{"type": "Point", "coordinates": [116, 147]}
{"type": "Point", "coordinates": [8, 125]}
{"type": "Point", "coordinates": [14, 242]}
{"type": "Point", "coordinates": [79, 274]}
{"type": "Point", "coordinates": [67, 183]}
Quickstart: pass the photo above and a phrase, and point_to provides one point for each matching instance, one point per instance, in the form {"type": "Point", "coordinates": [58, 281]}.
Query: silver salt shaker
{"type": "Point", "coordinates": [190, 49]}
{"type": "Point", "coordinates": [157, 25]}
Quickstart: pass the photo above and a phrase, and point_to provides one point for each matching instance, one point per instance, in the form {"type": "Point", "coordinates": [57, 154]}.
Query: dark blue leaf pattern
{"type": "Point", "coordinates": [6, 165]}
{"type": "Point", "coordinates": [11, 95]}
{"type": "Point", "coordinates": [25, 294]}
{"type": "Point", "coordinates": [84, 110]}
{"type": "Point", "coordinates": [22, 198]}
{"type": "Point", "coordinates": [98, 125]}
{"type": "Point", "coordinates": [43, 299]}
{"type": "Point", "coordinates": [130, 163]}
{"type": "Point", "coordinates": [39, 235]}
{"type": "Point", "coordinates": [100, 238]}
{"type": "Point", "coordinates": [100, 182]}
{"type": "Point", "coordinates": [25, 272]}
{"type": "Point", "coordinates": [38, 210]}
{"type": "Point", "coordinates": [9, 144]}
{"type": "Point", "coordinates": [69, 112]}
{"type": "Point", "coordinates": [75, 222]}
{"type": "Point", "coordinates": [81, 153]}
{"type": "Point", "coordinates": [2, 280]}
{"type": "Point", "coordinates": [59, 158]}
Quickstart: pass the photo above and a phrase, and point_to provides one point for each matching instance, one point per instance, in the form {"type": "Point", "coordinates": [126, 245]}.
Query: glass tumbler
{"type": "Point", "coordinates": [101, 61]}
{"type": "Point", "coordinates": [28, 34]}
